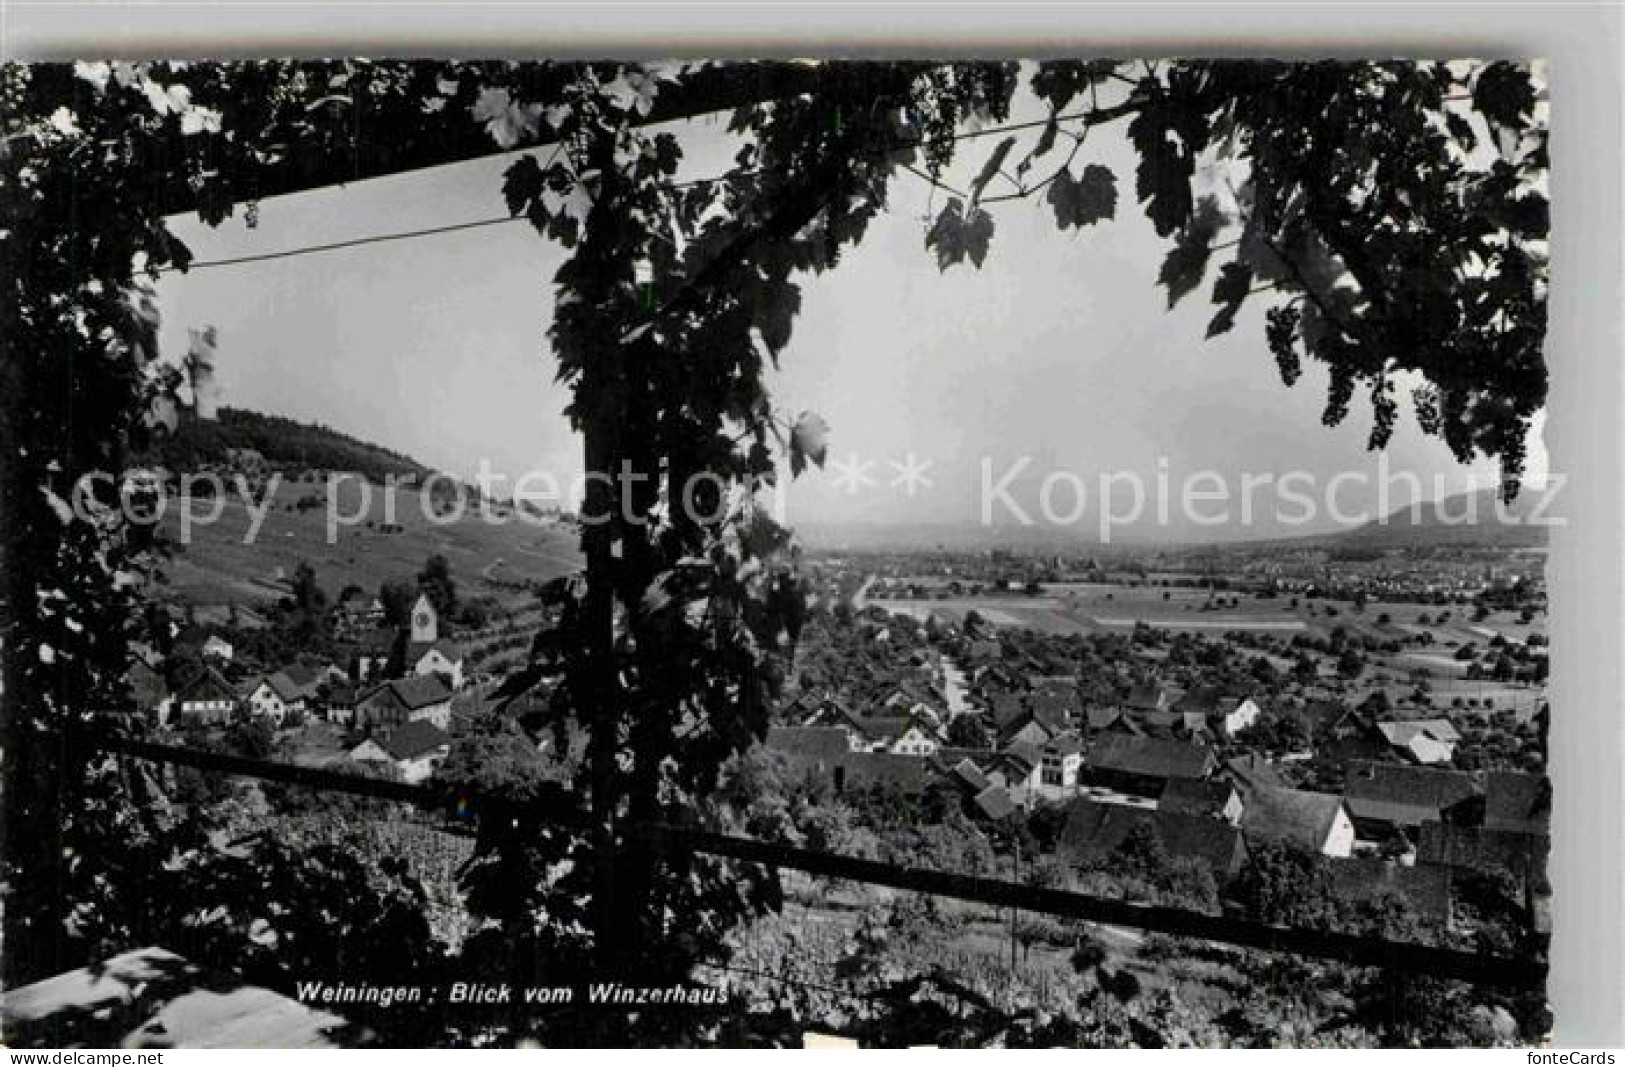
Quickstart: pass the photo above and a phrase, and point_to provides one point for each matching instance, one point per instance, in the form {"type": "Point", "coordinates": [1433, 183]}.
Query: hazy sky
{"type": "Point", "coordinates": [1061, 348]}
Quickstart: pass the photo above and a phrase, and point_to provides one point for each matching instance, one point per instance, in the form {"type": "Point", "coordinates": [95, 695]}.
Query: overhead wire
{"type": "Point", "coordinates": [456, 227]}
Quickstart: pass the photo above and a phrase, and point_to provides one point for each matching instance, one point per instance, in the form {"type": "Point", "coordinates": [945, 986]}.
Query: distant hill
{"type": "Point", "coordinates": [1466, 519]}
{"type": "Point", "coordinates": [379, 535]}
{"type": "Point", "coordinates": [287, 445]}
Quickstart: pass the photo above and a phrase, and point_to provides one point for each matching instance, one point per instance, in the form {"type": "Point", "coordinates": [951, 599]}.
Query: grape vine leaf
{"type": "Point", "coordinates": [809, 440]}
{"type": "Point", "coordinates": [956, 234]}
{"type": "Point", "coordinates": [1084, 200]}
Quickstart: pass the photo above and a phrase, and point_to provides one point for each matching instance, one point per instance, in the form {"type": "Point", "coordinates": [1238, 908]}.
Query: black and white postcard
{"type": "Point", "coordinates": [977, 553]}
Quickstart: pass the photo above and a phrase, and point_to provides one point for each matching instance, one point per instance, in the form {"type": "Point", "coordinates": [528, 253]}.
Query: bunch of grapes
{"type": "Point", "coordinates": [14, 80]}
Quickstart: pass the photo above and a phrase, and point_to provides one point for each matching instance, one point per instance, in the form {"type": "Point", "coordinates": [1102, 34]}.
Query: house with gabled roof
{"type": "Point", "coordinates": [1385, 797]}
{"type": "Point", "coordinates": [1060, 759]}
{"type": "Point", "coordinates": [967, 775]}
{"type": "Point", "coordinates": [1006, 708]}
{"type": "Point", "coordinates": [1216, 798]}
{"type": "Point", "coordinates": [1147, 696]}
{"type": "Point", "coordinates": [357, 611]}
{"type": "Point", "coordinates": [885, 771]}
{"type": "Point", "coordinates": [1320, 719]}
{"type": "Point", "coordinates": [414, 749]}
{"type": "Point", "coordinates": [908, 693]}
{"type": "Point", "coordinates": [341, 702]}
{"type": "Point", "coordinates": [1184, 726]}
{"type": "Point", "coordinates": [1223, 714]}
{"type": "Point", "coordinates": [903, 735]}
{"type": "Point", "coordinates": [1250, 769]}
{"type": "Point", "coordinates": [1425, 741]}
{"type": "Point", "coordinates": [1017, 768]}
{"type": "Point", "coordinates": [402, 700]}
{"type": "Point", "coordinates": [821, 745]}
{"type": "Point", "coordinates": [1144, 765]}
{"type": "Point", "coordinates": [1313, 822]}
{"type": "Point", "coordinates": [439, 656]}
{"type": "Point", "coordinates": [1064, 707]}
{"type": "Point", "coordinates": [1101, 719]}
{"type": "Point", "coordinates": [994, 803]}
{"type": "Point", "coordinates": [274, 697]}
{"type": "Point", "coordinates": [1093, 831]}
{"type": "Point", "coordinates": [1027, 728]}
{"type": "Point", "coordinates": [1356, 738]}
{"type": "Point", "coordinates": [310, 678]}
{"type": "Point", "coordinates": [206, 699]}
{"type": "Point", "coordinates": [373, 651]}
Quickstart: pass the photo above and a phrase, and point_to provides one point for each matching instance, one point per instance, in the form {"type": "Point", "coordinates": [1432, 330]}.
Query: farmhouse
{"type": "Point", "coordinates": [994, 803]}
{"type": "Point", "coordinates": [903, 735]}
{"type": "Point", "coordinates": [1007, 709]}
{"type": "Point", "coordinates": [1314, 822]}
{"type": "Point", "coordinates": [826, 751]}
{"type": "Point", "coordinates": [1355, 738]}
{"type": "Point", "coordinates": [827, 711]}
{"type": "Point", "coordinates": [1216, 798]}
{"type": "Point", "coordinates": [1099, 720]}
{"type": "Point", "coordinates": [1182, 725]}
{"type": "Point", "coordinates": [414, 749]}
{"type": "Point", "coordinates": [824, 745]}
{"type": "Point", "coordinates": [207, 699]}
{"type": "Point", "coordinates": [274, 696]}
{"type": "Point", "coordinates": [1426, 741]}
{"type": "Point", "coordinates": [1223, 714]}
{"type": "Point", "coordinates": [1028, 728]}
{"type": "Point", "coordinates": [1321, 720]}
{"type": "Point", "coordinates": [885, 771]}
{"type": "Point", "coordinates": [965, 774]}
{"type": "Point", "coordinates": [1147, 697]}
{"type": "Point", "coordinates": [372, 653]}
{"type": "Point", "coordinates": [1093, 831]}
{"type": "Point", "coordinates": [1056, 703]}
{"type": "Point", "coordinates": [341, 701]}
{"type": "Point", "coordinates": [357, 612]}
{"type": "Point", "coordinates": [919, 739]}
{"type": "Point", "coordinates": [1144, 765]}
{"type": "Point", "coordinates": [403, 700]}
{"type": "Point", "coordinates": [1252, 769]}
{"type": "Point", "coordinates": [1384, 797]}
{"type": "Point", "coordinates": [1018, 769]}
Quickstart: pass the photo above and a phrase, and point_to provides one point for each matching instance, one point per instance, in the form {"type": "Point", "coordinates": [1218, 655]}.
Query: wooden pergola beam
{"type": "Point", "coordinates": [416, 140]}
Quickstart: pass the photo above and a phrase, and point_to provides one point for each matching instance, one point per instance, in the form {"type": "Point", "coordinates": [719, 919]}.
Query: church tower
{"type": "Point", "coordinates": [425, 621]}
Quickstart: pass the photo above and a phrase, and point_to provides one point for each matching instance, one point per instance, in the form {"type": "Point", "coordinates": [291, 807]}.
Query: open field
{"type": "Point", "coordinates": [1077, 608]}
{"type": "Point", "coordinates": [217, 566]}
{"type": "Point", "coordinates": [1095, 608]}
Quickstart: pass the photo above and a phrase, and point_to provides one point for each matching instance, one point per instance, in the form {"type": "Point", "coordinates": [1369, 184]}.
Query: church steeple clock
{"type": "Point", "coordinates": [425, 621]}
